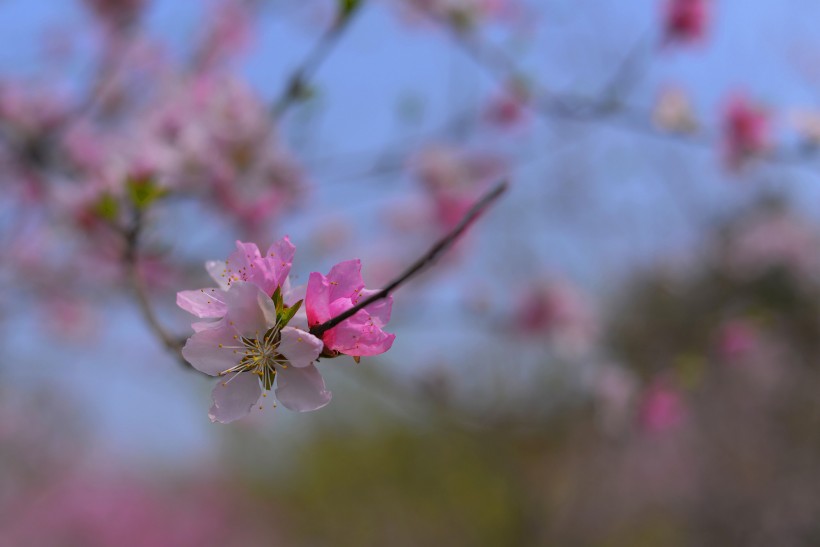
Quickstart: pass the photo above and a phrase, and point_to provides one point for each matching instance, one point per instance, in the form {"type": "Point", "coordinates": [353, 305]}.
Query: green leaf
{"type": "Point", "coordinates": [143, 191]}
{"type": "Point", "coordinates": [348, 8]}
{"type": "Point", "coordinates": [278, 301]}
{"type": "Point", "coordinates": [287, 314]}
{"type": "Point", "coordinates": [107, 207]}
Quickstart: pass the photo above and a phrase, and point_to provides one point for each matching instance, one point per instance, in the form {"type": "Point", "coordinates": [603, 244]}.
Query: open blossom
{"type": "Point", "coordinates": [256, 337]}
{"type": "Point", "coordinates": [685, 20]}
{"type": "Point", "coordinates": [245, 264]}
{"type": "Point", "coordinates": [343, 288]}
{"type": "Point", "coordinates": [249, 348]}
{"type": "Point", "coordinates": [252, 344]}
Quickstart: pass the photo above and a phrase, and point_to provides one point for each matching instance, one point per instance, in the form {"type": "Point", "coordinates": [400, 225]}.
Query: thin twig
{"type": "Point", "coordinates": [425, 261]}
{"type": "Point", "coordinates": [297, 83]}
{"type": "Point", "coordinates": [131, 260]}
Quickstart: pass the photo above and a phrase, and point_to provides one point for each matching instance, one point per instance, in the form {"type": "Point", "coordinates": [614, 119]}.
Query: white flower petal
{"type": "Point", "coordinates": [203, 302]}
{"type": "Point", "coordinates": [245, 313]}
{"type": "Point", "coordinates": [234, 397]}
{"type": "Point", "coordinates": [301, 389]}
{"type": "Point", "coordinates": [301, 348]}
{"type": "Point", "coordinates": [210, 349]}
{"type": "Point", "coordinates": [217, 270]}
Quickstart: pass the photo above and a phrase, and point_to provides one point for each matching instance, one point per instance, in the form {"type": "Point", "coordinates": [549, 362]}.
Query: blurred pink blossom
{"type": "Point", "coordinates": [509, 109]}
{"type": "Point", "coordinates": [661, 407]}
{"type": "Point", "coordinates": [95, 511]}
{"type": "Point", "coordinates": [737, 339]}
{"type": "Point", "coordinates": [774, 240]}
{"type": "Point", "coordinates": [746, 131]}
{"type": "Point", "coordinates": [685, 20]}
{"type": "Point", "coordinates": [116, 12]}
{"type": "Point", "coordinates": [454, 179]}
{"type": "Point", "coordinates": [227, 33]}
{"type": "Point", "coordinates": [559, 311]}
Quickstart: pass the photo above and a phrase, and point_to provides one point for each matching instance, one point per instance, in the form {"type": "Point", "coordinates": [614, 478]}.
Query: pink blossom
{"type": "Point", "coordinates": [228, 31]}
{"type": "Point", "coordinates": [559, 311]}
{"type": "Point", "coordinates": [685, 20]}
{"type": "Point", "coordinates": [249, 348]}
{"type": "Point", "coordinates": [661, 407]}
{"type": "Point", "coordinates": [746, 131]}
{"type": "Point", "coordinates": [509, 108]}
{"type": "Point", "coordinates": [343, 288]}
{"type": "Point", "coordinates": [772, 241]}
{"type": "Point", "coordinates": [246, 264]}
{"type": "Point", "coordinates": [116, 12]}
{"type": "Point", "coordinates": [737, 339]}
{"type": "Point", "coordinates": [453, 179]}
{"type": "Point", "coordinates": [99, 511]}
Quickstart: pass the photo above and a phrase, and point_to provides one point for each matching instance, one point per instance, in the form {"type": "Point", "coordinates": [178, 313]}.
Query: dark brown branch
{"type": "Point", "coordinates": [422, 263]}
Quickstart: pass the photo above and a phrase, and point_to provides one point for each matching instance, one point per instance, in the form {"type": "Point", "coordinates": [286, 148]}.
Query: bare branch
{"type": "Point", "coordinates": [131, 260]}
{"type": "Point", "coordinates": [422, 263]}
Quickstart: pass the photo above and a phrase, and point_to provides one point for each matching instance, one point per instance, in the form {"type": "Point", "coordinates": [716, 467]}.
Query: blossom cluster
{"type": "Point", "coordinates": [258, 328]}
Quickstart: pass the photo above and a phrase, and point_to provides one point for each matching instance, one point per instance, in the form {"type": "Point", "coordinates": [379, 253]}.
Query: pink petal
{"type": "Point", "coordinates": [380, 310]}
{"type": "Point", "coordinates": [299, 347]}
{"type": "Point", "coordinates": [279, 258]}
{"type": "Point", "coordinates": [301, 389]}
{"type": "Point", "coordinates": [317, 299]}
{"type": "Point", "coordinates": [345, 279]}
{"type": "Point", "coordinates": [209, 350]}
{"type": "Point", "coordinates": [359, 336]}
{"type": "Point", "coordinates": [234, 397]}
{"type": "Point", "coordinates": [203, 303]}
{"type": "Point", "coordinates": [249, 309]}
{"type": "Point", "coordinates": [239, 267]}
{"type": "Point", "coordinates": [216, 269]}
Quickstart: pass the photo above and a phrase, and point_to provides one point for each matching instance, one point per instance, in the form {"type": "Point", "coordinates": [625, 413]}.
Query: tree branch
{"type": "Point", "coordinates": [131, 260]}
{"type": "Point", "coordinates": [422, 263]}
{"type": "Point", "coordinates": [297, 83]}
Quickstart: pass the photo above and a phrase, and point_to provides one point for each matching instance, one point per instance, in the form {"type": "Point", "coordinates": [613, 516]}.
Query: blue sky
{"type": "Point", "coordinates": [145, 407]}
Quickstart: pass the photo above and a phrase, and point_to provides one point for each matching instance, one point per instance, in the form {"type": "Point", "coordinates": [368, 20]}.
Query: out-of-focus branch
{"type": "Point", "coordinates": [132, 236]}
{"type": "Point", "coordinates": [298, 82]}
{"type": "Point", "coordinates": [606, 108]}
{"type": "Point", "coordinates": [422, 263]}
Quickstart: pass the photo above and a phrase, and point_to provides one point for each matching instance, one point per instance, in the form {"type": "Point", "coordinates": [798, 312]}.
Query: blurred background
{"type": "Point", "coordinates": [622, 352]}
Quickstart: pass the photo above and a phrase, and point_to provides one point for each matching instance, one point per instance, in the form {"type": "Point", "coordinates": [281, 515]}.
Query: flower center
{"type": "Point", "coordinates": [260, 357]}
